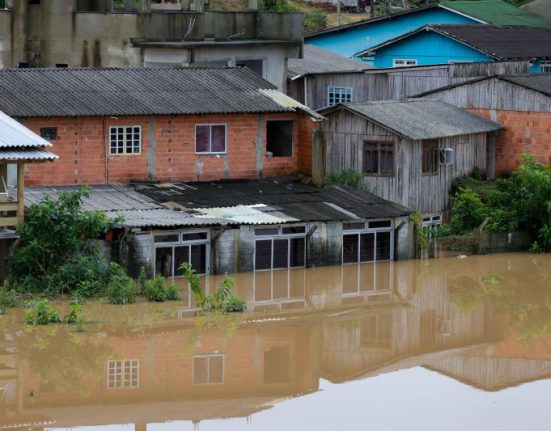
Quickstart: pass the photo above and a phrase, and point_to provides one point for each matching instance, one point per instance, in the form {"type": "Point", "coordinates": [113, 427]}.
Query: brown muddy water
{"type": "Point", "coordinates": [446, 344]}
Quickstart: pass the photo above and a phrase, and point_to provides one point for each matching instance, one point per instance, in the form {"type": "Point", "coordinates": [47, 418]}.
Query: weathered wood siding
{"type": "Point", "coordinates": [397, 83]}
{"type": "Point", "coordinates": [345, 134]}
{"type": "Point", "coordinates": [494, 94]}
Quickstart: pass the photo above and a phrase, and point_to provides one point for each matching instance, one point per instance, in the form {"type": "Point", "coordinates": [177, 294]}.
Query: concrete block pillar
{"type": "Point", "coordinates": [318, 158]}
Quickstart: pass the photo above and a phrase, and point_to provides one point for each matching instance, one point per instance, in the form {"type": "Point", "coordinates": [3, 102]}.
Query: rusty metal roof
{"type": "Point", "coordinates": [138, 91]}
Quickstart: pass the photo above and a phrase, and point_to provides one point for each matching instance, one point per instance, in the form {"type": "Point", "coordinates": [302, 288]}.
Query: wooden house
{"type": "Point", "coordinates": [522, 104]}
{"type": "Point", "coordinates": [409, 152]}
{"type": "Point", "coordinates": [441, 44]}
{"type": "Point", "coordinates": [323, 78]}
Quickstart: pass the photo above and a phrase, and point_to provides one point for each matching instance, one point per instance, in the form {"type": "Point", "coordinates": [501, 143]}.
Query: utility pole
{"type": "Point", "coordinates": [338, 12]}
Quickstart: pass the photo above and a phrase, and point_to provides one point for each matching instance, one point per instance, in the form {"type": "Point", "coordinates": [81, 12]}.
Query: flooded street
{"type": "Point", "coordinates": [454, 344]}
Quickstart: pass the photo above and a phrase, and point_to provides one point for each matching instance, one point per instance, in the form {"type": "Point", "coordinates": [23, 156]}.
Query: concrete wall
{"type": "Point", "coordinates": [53, 33]}
{"type": "Point", "coordinates": [168, 150]}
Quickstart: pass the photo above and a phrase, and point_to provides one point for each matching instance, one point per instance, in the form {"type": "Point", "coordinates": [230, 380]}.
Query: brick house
{"type": "Point", "coordinates": [522, 104]}
{"type": "Point", "coordinates": [186, 124]}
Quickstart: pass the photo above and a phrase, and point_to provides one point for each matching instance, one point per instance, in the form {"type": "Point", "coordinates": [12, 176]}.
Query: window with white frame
{"type": "Point", "coordinates": [338, 95]}
{"type": "Point", "coordinates": [367, 242]}
{"type": "Point", "coordinates": [125, 140]}
{"type": "Point", "coordinates": [401, 62]}
{"type": "Point", "coordinates": [545, 66]}
{"type": "Point", "coordinates": [174, 248]}
{"type": "Point", "coordinates": [208, 369]}
{"type": "Point", "coordinates": [210, 138]}
{"type": "Point", "coordinates": [123, 374]}
{"type": "Point", "coordinates": [431, 222]}
{"type": "Point", "coordinates": [280, 247]}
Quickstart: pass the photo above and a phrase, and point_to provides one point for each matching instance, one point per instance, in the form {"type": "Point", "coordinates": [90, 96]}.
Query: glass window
{"type": "Point", "coordinates": [338, 95]}
{"type": "Point", "coordinates": [169, 237]}
{"type": "Point", "coordinates": [380, 224]}
{"type": "Point", "coordinates": [169, 256]}
{"type": "Point", "coordinates": [281, 253]}
{"type": "Point", "coordinates": [293, 229]}
{"type": "Point", "coordinates": [267, 231]}
{"type": "Point", "coordinates": [367, 247]}
{"type": "Point", "coordinates": [383, 246]}
{"type": "Point", "coordinates": [194, 236]}
{"type": "Point", "coordinates": [354, 226]}
{"type": "Point", "coordinates": [125, 140]}
{"type": "Point", "coordinates": [163, 261]}
{"type": "Point", "coordinates": [48, 133]}
{"type": "Point", "coordinates": [350, 248]}
{"type": "Point", "coordinates": [198, 258]}
{"type": "Point", "coordinates": [297, 252]}
{"type": "Point", "coordinates": [397, 62]}
{"type": "Point", "coordinates": [431, 157]}
{"type": "Point", "coordinates": [210, 138]}
{"type": "Point", "coordinates": [545, 66]}
{"type": "Point", "coordinates": [378, 158]}
{"type": "Point", "coordinates": [263, 254]}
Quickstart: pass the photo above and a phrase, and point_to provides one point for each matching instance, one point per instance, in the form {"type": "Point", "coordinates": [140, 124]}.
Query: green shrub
{"type": "Point", "coordinates": [8, 298]}
{"type": "Point", "coordinates": [276, 6]}
{"type": "Point", "coordinates": [235, 305]}
{"type": "Point", "coordinates": [468, 212]}
{"type": "Point", "coordinates": [141, 279]}
{"type": "Point", "coordinates": [75, 314]}
{"type": "Point", "coordinates": [154, 290]}
{"type": "Point", "coordinates": [172, 292]}
{"type": "Point", "coordinates": [347, 177]}
{"type": "Point", "coordinates": [42, 314]}
{"type": "Point", "coordinates": [314, 20]}
{"type": "Point", "coordinates": [120, 287]}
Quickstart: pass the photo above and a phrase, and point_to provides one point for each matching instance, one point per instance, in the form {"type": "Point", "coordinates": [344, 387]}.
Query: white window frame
{"type": "Point", "coordinates": [365, 230]}
{"type": "Point", "coordinates": [181, 242]}
{"type": "Point", "coordinates": [134, 364]}
{"type": "Point", "coordinates": [545, 66]}
{"type": "Point", "coordinates": [404, 62]}
{"type": "Point", "coordinates": [280, 235]}
{"type": "Point", "coordinates": [336, 94]}
{"type": "Point", "coordinates": [208, 356]}
{"type": "Point", "coordinates": [376, 269]}
{"type": "Point", "coordinates": [124, 145]}
{"type": "Point", "coordinates": [210, 138]}
{"type": "Point", "coordinates": [431, 222]}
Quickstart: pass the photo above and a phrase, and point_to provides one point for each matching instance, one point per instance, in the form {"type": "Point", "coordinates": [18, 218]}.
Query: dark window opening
{"type": "Point", "coordinates": [350, 248]}
{"type": "Point", "coordinates": [62, 65]}
{"type": "Point", "coordinates": [34, 1]}
{"type": "Point", "coordinates": [279, 138]}
{"type": "Point", "coordinates": [263, 254]}
{"type": "Point", "coordinates": [431, 157]}
{"type": "Point", "coordinates": [22, 65]}
{"type": "Point", "coordinates": [378, 158]}
{"type": "Point", "coordinates": [277, 365]}
{"type": "Point", "coordinates": [379, 224]}
{"type": "Point", "coordinates": [366, 247]}
{"type": "Point", "coordinates": [48, 133]}
{"type": "Point", "coordinates": [256, 66]}
{"type": "Point", "coordinates": [383, 245]}
{"type": "Point", "coordinates": [279, 253]}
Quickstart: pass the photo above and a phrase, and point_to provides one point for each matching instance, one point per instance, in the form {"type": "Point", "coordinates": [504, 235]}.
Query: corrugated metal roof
{"type": "Point", "coordinates": [162, 218]}
{"type": "Point", "coordinates": [14, 134]}
{"type": "Point", "coordinates": [420, 119]}
{"type": "Point", "coordinates": [285, 195]}
{"type": "Point", "coordinates": [140, 91]}
{"type": "Point", "coordinates": [287, 102]}
{"type": "Point", "coordinates": [497, 12]}
{"type": "Point", "coordinates": [26, 154]}
{"type": "Point", "coordinates": [246, 214]}
{"type": "Point", "coordinates": [501, 42]}
{"type": "Point", "coordinates": [318, 61]}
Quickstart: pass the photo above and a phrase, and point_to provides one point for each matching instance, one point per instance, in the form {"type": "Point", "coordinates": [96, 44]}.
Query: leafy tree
{"type": "Point", "coordinates": [54, 253]}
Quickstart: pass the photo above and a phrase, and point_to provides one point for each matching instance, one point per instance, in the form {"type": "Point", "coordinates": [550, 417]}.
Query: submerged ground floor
{"type": "Point", "coordinates": [237, 226]}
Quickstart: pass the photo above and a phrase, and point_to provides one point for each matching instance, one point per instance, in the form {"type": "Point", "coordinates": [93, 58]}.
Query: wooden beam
{"type": "Point", "coordinates": [8, 221]}
{"type": "Point", "coordinates": [9, 206]}
{"type": "Point", "coordinates": [20, 192]}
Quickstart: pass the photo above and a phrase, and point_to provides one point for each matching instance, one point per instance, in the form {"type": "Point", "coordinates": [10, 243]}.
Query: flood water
{"type": "Point", "coordinates": [443, 344]}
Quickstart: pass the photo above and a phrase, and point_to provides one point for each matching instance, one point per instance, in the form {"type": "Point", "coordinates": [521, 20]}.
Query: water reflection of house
{"type": "Point", "coordinates": [501, 365]}
{"type": "Point", "coordinates": [391, 338]}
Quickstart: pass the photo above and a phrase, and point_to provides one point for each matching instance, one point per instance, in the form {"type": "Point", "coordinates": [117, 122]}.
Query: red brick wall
{"type": "Point", "coordinates": [83, 146]}
{"type": "Point", "coordinates": [305, 138]}
{"type": "Point", "coordinates": [525, 132]}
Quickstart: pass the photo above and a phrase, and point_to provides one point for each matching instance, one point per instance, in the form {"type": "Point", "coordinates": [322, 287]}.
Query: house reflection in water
{"type": "Point", "coordinates": [338, 323]}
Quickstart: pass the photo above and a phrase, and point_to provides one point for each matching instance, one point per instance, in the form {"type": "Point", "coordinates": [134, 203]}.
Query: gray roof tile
{"type": "Point", "coordinates": [420, 119]}
{"type": "Point", "coordinates": [318, 61]}
{"type": "Point", "coordinates": [143, 91]}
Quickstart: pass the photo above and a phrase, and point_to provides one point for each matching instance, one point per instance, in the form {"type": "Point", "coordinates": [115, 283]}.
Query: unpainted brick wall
{"type": "Point", "coordinates": [83, 148]}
